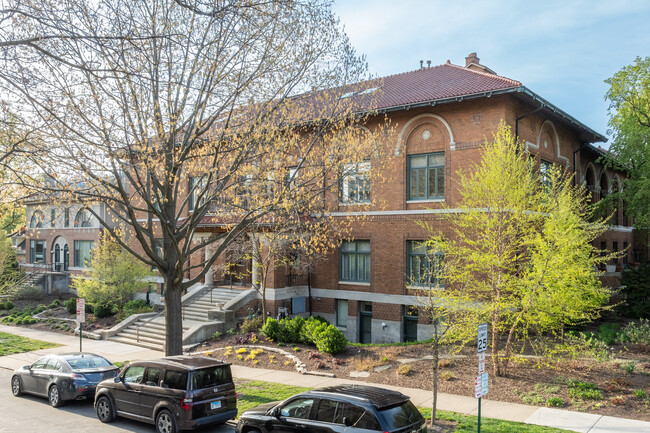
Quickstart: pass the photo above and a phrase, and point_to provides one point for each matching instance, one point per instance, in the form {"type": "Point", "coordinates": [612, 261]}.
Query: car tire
{"type": "Point", "coordinates": [104, 409]}
{"type": "Point", "coordinates": [165, 422]}
{"type": "Point", "coordinates": [16, 386]}
{"type": "Point", "coordinates": [54, 396]}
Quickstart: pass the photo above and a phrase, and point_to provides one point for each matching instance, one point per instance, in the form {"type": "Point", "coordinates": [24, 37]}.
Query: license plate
{"type": "Point", "coordinates": [215, 405]}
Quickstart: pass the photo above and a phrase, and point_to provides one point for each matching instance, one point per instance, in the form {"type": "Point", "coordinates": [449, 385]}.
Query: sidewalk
{"type": "Point", "coordinates": [575, 421]}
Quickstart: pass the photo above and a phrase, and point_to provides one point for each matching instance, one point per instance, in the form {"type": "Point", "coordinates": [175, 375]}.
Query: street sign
{"type": "Point", "coordinates": [481, 344]}
{"type": "Point", "coordinates": [481, 363]}
{"type": "Point", "coordinates": [81, 310]}
{"type": "Point", "coordinates": [481, 385]}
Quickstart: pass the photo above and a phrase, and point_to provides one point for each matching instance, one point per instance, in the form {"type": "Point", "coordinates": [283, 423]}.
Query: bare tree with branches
{"type": "Point", "coordinates": [179, 115]}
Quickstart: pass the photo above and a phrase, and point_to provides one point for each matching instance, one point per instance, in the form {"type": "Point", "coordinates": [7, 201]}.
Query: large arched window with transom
{"type": "Point", "coordinates": [83, 219]}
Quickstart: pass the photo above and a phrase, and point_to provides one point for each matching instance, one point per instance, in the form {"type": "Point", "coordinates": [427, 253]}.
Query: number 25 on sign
{"type": "Point", "coordinates": [481, 344]}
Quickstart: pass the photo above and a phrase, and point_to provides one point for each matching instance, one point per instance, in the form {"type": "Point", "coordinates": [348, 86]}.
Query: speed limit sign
{"type": "Point", "coordinates": [482, 340]}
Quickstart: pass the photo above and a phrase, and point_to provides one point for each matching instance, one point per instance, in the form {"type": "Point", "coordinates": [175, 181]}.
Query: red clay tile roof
{"type": "Point", "coordinates": [434, 83]}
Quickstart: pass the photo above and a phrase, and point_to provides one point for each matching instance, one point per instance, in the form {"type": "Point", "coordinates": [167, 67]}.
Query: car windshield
{"type": "Point", "coordinates": [86, 362]}
{"type": "Point", "coordinates": [210, 377]}
{"type": "Point", "coordinates": [402, 415]}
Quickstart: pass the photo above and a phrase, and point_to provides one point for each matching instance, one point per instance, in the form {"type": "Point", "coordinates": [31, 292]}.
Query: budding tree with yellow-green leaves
{"type": "Point", "coordinates": [185, 117]}
{"type": "Point", "coordinates": [520, 255]}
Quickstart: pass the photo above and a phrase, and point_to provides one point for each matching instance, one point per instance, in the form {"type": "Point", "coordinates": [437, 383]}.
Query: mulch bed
{"type": "Point", "coordinates": [526, 382]}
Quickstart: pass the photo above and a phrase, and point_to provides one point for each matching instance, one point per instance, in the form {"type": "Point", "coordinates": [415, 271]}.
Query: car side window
{"type": "Point", "coordinates": [360, 418]}
{"type": "Point", "coordinates": [40, 363]}
{"type": "Point", "coordinates": [152, 376]}
{"type": "Point", "coordinates": [330, 411]}
{"type": "Point", "coordinates": [298, 408]}
{"type": "Point", "coordinates": [53, 364]}
{"type": "Point", "coordinates": [175, 379]}
{"type": "Point", "coordinates": [134, 374]}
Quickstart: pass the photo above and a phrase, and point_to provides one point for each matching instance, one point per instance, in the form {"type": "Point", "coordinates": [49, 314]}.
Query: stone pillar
{"type": "Point", "coordinates": [209, 275]}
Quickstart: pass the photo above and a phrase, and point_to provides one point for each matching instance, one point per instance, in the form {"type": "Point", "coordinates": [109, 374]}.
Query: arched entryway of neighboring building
{"type": "Point", "coordinates": [61, 255]}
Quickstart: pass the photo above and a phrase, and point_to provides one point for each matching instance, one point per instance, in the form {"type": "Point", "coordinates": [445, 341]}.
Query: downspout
{"type": "Point", "coordinates": [526, 115]}
{"type": "Point", "coordinates": [575, 167]}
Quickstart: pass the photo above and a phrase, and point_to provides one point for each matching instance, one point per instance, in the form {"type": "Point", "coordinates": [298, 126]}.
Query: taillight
{"type": "Point", "coordinates": [186, 404]}
{"type": "Point", "coordinates": [77, 376]}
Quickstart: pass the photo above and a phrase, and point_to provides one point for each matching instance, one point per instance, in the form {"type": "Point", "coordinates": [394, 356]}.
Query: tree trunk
{"type": "Point", "coordinates": [173, 318]}
{"type": "Point", "coordinates": [495, 344]}
{"type": "Point", "coordinates": [435, 361]}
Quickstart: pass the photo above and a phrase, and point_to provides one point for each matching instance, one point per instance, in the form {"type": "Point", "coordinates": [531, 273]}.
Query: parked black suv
{"type": "Point", "coordinates": [174, 393]}
{"type": "Point", "coordinates": [345, 408]}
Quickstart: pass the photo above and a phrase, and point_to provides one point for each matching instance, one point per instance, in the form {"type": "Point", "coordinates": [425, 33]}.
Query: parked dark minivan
{"type": "Point", "coordinates": [173, 393]}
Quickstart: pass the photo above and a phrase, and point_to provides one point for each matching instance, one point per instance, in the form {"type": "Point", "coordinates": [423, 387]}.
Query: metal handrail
{"type": "Point", "coordinates": [137, 327]}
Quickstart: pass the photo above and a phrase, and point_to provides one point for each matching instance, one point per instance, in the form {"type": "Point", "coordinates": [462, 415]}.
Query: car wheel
{"type": "Point", "coordinates": [54, 396]}
{"type": "Point", "coordinates": [16, 386]}
{"type": "Point", "coordinates": [104, 409]}
{"type": "Point", "coordinates": [165, 422]}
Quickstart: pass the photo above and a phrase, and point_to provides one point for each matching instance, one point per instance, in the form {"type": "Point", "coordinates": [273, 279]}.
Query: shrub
{"type": "Point", "coordinates": [52, 305]}
{"type": "Point", "coordinates": [136, 306]}
{"type": "Point", "coordinates": [641, 393]}
{"type": "Point", "coordinates": [216, 335]}
{"type": "Point", "coordinates": [311, 329]}
{"type": "Point", "coordinates": [9, 305]}
{"type": "Point", "coordinates": [555, 402]}
{"type": "Point", "coordinates": [71, 305]}
{"type": "Point", "coordinates": [251, 324]}
{"type": "Point", "coordinates": [56, 302]}
{"type": "Point", "coordinates": [290, 329]}
{"type": "Point", "coordinates": [636, 332]}
{"type": "Point", "coordinates": [584, 391]}
{"type": "Point", "coordinates": [331, 340]}
{"type": "Point", "coordinates": [630, 367]}
{"type": "Point", "coordinates": [635, 283]}
{"type": "Point", "coordinates": [608, 333]}
{"type": "Point", "coordinates": [103, 310]}
{"type": "Point", "coordinates": [403, 370]}
{"type": "Point", "coordinates": [271, 329]}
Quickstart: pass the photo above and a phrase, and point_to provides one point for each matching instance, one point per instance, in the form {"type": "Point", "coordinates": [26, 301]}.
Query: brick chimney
{"type": "Point", "coordinates": [473, 62]}
{"type": "Point", "coordinates": [472, 58]}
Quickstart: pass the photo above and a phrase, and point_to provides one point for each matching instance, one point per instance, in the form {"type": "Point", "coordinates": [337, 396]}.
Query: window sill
{"type": "Point", "coordinates": [355, 283]}
{"type": "Point", "coordinates": [354, 203]}
{"type": "Point", "coordinates": [430, 200]}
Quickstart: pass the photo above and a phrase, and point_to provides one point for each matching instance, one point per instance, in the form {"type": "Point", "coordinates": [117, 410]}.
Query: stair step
{"type": "Point", "coordinates": [143, 338]}
{"type": "Point", "coordinates": [151, 346]}
{"type": "Point", "coordinates": [134, 333]}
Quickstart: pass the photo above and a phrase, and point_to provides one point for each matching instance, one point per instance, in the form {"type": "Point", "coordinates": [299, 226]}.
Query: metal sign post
{"type": "Point", "coordinates": [81, 318]}
{"type": "Point", "coordinates": [481, 381]}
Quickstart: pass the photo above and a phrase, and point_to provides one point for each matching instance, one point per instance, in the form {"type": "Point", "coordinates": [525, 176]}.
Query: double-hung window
{"type": "Point", "coordinates": [355, 183]}
{"type": "Point", "coordinates": [82, 253]}
{"type": "Point", "coordinates": [545, 174]}
{"type": "Point", "coordinates": [426, 176]}
{"type": "Point", "coordinates": [36, 251]}
{"type": "Point", "coordinates": [342, 313]}
{"type": "Point", "coordinates": [424, 267]}
{"type": "Point", "coordinates": [197, 183]}
{"type": "Point", "coordinates": [355, 261]}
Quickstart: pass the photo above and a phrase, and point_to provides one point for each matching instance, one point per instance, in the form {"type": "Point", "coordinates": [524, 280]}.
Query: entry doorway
{"type": "Point", "coordinates": [365, 322]}
{"type": "Point", "coordinates": [410, 323]}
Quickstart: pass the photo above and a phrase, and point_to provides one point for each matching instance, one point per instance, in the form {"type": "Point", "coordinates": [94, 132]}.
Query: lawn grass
{"type": "Point", "coordinates": [10, 344]}
{"type": "Point", "coordinates": [250, 393]}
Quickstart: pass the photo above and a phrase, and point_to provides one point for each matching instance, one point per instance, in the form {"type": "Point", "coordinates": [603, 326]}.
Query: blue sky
{"type": "Point", "coordinates": [561, 50]}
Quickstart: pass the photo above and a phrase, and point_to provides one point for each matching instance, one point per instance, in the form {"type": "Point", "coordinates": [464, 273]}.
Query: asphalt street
{"type": "Point", "coordinates": [30, 414]}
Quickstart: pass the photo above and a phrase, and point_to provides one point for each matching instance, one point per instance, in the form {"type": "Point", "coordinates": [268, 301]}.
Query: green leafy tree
{"type": "Point", "coordinates": [629, 119]}
{"type": "Point", "coordinates": [114, 275]}
{"type": "Point", "coordinates": [521, 255]}
{"type": "Point", "coordinates": [9, 270]}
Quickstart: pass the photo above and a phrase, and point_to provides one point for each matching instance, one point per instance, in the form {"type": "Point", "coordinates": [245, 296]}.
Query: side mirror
{"type": "Point", "coordinates": [347, 422]}
{"type": "Point", "coordinates": [275, 412]}
{"type": "Point", "coordinates": [117, 379]}
{"type": "Point", "coordinates": [27, 367]}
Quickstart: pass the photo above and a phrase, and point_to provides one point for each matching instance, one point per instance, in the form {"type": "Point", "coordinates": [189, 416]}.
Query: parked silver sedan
{"type": "Point", "coordinates": [61, 377]}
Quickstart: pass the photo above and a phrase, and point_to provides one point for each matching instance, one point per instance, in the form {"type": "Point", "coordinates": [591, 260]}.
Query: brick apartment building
{"type": "Point", "coordinates": [440, 116]}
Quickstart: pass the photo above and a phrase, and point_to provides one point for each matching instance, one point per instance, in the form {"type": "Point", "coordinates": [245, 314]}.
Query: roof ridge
{"type": "Point", "coordinates": [486, 74]}
{"type": "Point", "coordinates": [408, 72]}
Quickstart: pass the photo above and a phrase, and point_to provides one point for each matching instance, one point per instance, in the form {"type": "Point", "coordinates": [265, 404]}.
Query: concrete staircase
{"type": "Point", "coordinates": [149, 331]}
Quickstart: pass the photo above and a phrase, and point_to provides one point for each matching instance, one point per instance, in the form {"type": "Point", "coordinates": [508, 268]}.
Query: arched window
{"type": "Point", "coordinates": [83, 219]}
{"type": "Point", "coordinates": [37, 220]}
